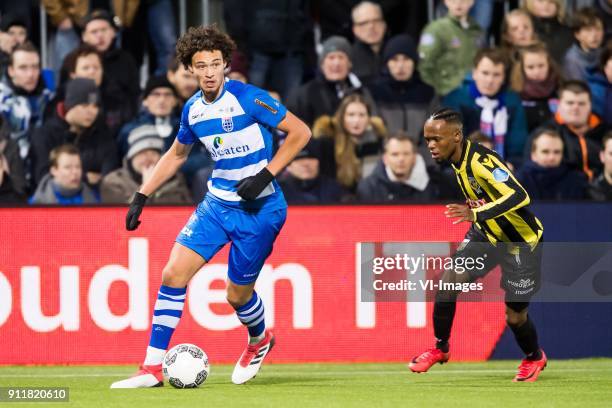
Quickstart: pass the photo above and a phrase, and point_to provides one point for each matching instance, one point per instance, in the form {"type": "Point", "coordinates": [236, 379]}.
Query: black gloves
{"type": "Point", "coordinates": [136, 206]}
{"type": "Point", "coordinates": [250, 187]}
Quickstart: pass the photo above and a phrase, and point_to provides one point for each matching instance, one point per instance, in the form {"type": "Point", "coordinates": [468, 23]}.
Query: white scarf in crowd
{"type": "Point", "coordinates": [493, 121]}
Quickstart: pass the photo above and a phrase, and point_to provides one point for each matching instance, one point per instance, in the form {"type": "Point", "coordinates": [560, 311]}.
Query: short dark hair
{"type": "Point", "coordinates": [400, 136]}
{"type": "Point", "coordinates": [58, 151]}
{"type": "Point", "coordinates": [586, 17]}
{"type": "Point", "coordinates": [26, 47]}
{"type": "Point", "coordinates": [448, 115]}
{"type": "Point", "coordinates": [576, 86]}
{"type": "Point", "coordinates": [70, 61]}
{"type": "Point", "coordinates": [204, 38]}
{"type": "Point", "coordinates": [545, 130]}
{"type": "Point", "coordinates": [496, 55]}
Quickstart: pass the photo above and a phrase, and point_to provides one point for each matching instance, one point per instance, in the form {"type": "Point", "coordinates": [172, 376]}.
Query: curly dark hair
{"type": "Point", "coordinates": [204, 38]}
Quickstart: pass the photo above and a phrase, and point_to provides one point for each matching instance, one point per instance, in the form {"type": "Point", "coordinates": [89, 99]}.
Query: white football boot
{"type": "Point", "coordinates": [251, 359]}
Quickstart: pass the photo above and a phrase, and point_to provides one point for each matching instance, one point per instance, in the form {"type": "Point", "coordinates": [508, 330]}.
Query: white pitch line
{"type": "Point", "coordinates": [313, 373]}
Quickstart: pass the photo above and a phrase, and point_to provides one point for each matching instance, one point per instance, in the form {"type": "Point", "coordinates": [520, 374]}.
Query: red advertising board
{"type": "Point", "coordinates": [76, 287]}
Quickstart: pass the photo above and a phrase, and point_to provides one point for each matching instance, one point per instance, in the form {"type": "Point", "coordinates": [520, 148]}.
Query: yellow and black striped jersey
{"type": "Point", "coordinates": [498, 201]}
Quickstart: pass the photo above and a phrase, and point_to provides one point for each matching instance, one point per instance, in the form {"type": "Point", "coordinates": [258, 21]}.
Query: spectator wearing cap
{"type": "Point", "coordinates": [23, 98]}
{"type": "Point", "coordinates": [83, 62]}
{"type": "Point", "coordinates": [64, 182]}
{"type": "Point", "coordinates": [448, 46]}
{"type": "Point", "coordinates": [303, 183]}
{"type": "Point", "coordinates": [77, 120]}
{"type": "Point", "coordinates": [12, 177]}
{"type": "Point", "coordinates": [120, 84]}
{"type": "Point", "coordinates": [322, 95]}
{"type": "Point", "coordinates": [402, 98]}
{"type": "Point", "coordinates": [13, 32]}
{"type": "Point", "coordinates": [159, 110]}
{"type": "Point", "coordinates": [369, 28]}
{"type": "Point", "coordinates": [145, 147]}
{"type": "Point", "coordinates": [400, 175]}
{"type": "Point", "coordinates": [16, 27]}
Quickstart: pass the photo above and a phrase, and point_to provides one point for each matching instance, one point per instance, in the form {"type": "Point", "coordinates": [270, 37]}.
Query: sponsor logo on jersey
{"type": "Point", "coordinates": [266, 106]}
{"type": "Point", "coordinates": [500, 175]}
{"type": "Point", "coordinates": [218, 141]}
{"type": "Point", "coordinates": [219, 151]}
{"type": "Point", "coordinates": [197, 115]}
{"type": "Point", "coordinates": [474, 184]}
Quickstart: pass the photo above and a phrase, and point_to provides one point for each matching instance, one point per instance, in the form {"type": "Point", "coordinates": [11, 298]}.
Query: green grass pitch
{"type": "Point", "coordinates": [564, 383]}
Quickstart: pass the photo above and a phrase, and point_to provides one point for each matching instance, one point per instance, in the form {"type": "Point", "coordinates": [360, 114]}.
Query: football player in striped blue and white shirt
{"type": "Point", "coordinates": [244, 204]}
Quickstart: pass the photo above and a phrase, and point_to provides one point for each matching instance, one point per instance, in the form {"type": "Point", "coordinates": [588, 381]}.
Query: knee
{"type": "Point", "coordinates": [237, 299]}
{"type": "Point", "coordinates": [172, 277]}
{"type": "Point", "coordinates": [515, 319]}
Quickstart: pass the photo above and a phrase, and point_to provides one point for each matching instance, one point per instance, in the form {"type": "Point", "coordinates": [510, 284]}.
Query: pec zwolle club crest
{"type": "Point", "coordinates": [227, 124]}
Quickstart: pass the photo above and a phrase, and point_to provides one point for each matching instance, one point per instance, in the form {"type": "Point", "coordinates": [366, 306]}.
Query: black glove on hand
{"type": "Point", "coordinates": [250, 187]}
{"type": "Point", "coordinates": [136, 206]}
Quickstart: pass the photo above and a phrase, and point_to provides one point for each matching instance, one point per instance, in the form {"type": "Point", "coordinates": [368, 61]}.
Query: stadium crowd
{"type": "Point", "coordinates": [534, 84]}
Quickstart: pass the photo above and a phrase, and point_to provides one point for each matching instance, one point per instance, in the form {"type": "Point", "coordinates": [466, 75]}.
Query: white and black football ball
{"type": "Point", "coordinates": [186, 366]}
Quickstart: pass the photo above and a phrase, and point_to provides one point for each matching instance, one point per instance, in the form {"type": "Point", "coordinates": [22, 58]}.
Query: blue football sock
{"type": "Point", "coordinates": [167, 313]}
{"type": "Point", "coordinates": [251, 314]}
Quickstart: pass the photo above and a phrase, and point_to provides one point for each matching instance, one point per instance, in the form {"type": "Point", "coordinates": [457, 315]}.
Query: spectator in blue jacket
{"type": "Point", "coordinates": [23, 95]}
{"type": "Point", "coordinates": [545, 177]}
{"type": "Point", "coordinates": [487, 106]}
{"type": "Point", "coordinates": [585, 52]}
{"type": "Point", "coordinates": [64, 182]}
{"type": "Point", "coordinates": [600, 82]}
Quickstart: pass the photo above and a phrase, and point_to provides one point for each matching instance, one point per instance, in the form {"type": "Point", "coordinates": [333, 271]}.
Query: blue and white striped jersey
{"type": "Point", "coordinates": [234, 130]}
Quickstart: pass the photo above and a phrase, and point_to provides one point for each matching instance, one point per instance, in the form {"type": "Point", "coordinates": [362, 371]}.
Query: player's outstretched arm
{"type": "Point", "coordinates": [298, 135]}
{"type": "Point", "coordinates": [165, 168]}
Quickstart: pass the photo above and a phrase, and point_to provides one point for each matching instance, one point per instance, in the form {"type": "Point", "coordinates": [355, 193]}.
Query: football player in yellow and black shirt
{"type": "Point", "coordinates": [504, 232]}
